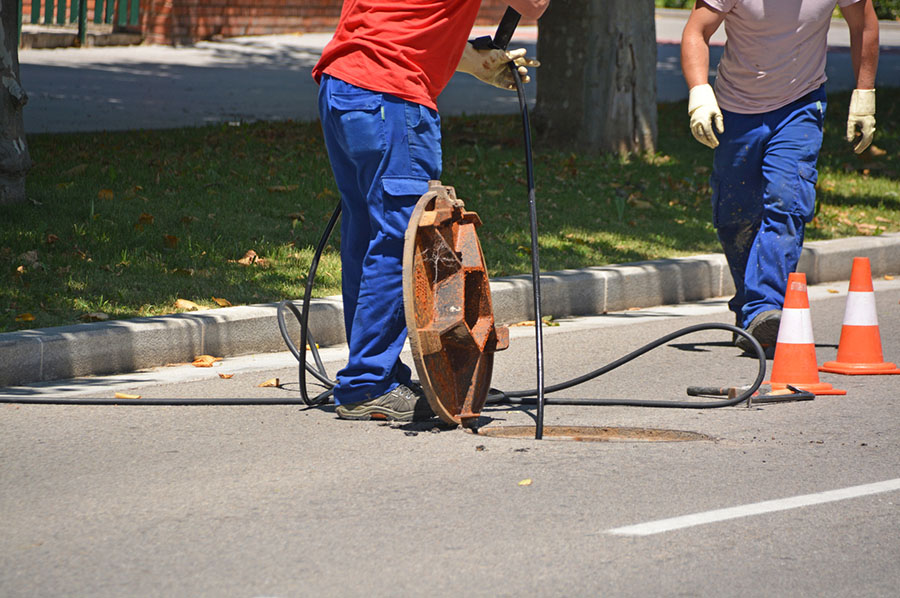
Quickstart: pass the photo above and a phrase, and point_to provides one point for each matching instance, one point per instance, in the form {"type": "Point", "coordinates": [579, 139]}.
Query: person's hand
{"type": "Point", "coordinates": [704, 112]}
{"type": "Point", "coordinates": [492, 66]}
{"type": "Point", "coordinates": [862, 115]}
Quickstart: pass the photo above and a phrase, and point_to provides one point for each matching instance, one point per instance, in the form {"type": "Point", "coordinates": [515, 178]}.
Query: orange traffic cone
{"type": "Point", "coordinates": [859, 351]}
{"type": "Point", "coordinates": [795, 350]}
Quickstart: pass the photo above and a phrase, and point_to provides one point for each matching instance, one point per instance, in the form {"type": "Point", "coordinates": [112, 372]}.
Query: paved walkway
{"type": "Point", "coordinates": [267, 78]}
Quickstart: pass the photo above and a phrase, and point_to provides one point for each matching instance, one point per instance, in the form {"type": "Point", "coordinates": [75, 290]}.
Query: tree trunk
{"type": "Point", "coordinates": [597, 84]}
{"type": "Point", "coordinates": [14, 158]}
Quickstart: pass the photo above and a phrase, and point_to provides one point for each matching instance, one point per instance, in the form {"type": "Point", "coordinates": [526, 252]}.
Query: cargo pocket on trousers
{"type": "Point", "coordinates": [400, 197]}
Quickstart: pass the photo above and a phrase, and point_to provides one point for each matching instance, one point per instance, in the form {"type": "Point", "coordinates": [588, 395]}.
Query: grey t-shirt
{"type": "Point", "coordinates": [774, 52]}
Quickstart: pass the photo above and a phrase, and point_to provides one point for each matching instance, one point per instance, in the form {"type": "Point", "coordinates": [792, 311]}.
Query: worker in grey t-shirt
{"type": "Point", "coordinates": [764, 120]}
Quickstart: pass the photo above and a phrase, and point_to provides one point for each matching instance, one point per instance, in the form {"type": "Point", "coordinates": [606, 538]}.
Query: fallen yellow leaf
{"type": "Point", "coordinates": [249, 258]}
{"type": "Point", "coordinates": [888, 277]}
{"type": "Point", "coordinates": [525, 482]}
{"type": "Point", "coordinates": [271, 382]}
{"type": "Point", "coordinates": [833, 291]}
{"type": "Point", "coordinates": [226, 376]}
{"type": "Point", "coordinates": [125, 395]}
{"type": "Point", "coordinates": [105, 194]}
{"type": "Point", "coordinates": [185, 304]}
{"type": "Point", "coordinates": [221, 302]}
{"type": "Point", "coordinates": [26, 317]}
{"type": "Point", "coordinates": [205, 361]}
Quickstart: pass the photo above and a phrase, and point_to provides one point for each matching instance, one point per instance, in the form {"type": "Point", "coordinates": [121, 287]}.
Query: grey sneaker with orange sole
{"type": "Point", "coordinates": [400, 404]}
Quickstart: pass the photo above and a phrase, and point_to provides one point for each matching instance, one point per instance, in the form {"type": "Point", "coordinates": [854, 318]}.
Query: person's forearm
{"type": "Point", "coordinates": [530, 9]}
{"type": "Point", "coordinates": [863, 24]}
{"type": "Point", "coordinates": [694, 59]}
{"type": "Point", "coordinates": [864, 50]}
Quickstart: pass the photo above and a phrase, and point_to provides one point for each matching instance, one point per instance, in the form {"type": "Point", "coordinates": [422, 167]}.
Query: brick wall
{"type": "Point", "coordinates": [187, 21]}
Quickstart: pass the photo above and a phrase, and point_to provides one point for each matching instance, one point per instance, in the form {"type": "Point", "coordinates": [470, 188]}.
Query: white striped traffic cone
{"type": "Point", "coordinates": [795, 349]}
{"type": "Point", "coordinates": [859, 350]}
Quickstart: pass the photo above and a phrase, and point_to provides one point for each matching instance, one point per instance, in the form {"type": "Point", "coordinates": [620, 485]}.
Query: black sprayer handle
{"type": "Point", "coordinates": [504, 33]}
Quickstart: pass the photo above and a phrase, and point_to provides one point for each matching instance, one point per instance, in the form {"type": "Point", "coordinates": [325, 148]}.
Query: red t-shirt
{"type": "Point", "coordinates": [409, 49]}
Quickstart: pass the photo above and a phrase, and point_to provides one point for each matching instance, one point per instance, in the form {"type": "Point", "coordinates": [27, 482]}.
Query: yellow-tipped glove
{"type": "Point", "coordinates": [491, 67]}
{"type": "Point", "coordinates": [704, 112]}
{"type": "Point", "coordinates": [862, 115]}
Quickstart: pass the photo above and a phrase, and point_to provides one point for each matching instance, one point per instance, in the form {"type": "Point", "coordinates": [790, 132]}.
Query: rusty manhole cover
{"type": "Point", "coordinates": [594, 434]}
{"type": "Point", "coordinates": [447, 297]}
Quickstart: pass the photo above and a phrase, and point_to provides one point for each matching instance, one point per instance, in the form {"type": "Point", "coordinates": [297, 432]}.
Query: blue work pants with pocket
{"type": "Point", "coordinates": [383, 151]}
{"type": "Point", "coordinates": [763, 195]}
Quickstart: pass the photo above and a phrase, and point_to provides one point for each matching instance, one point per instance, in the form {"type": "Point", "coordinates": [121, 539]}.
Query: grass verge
{"type": "Point", "coordinates": [122, 225]}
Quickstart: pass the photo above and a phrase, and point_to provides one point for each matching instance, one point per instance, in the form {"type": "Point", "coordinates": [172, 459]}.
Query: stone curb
{"type": "Point", "coordinates": [128, 345]}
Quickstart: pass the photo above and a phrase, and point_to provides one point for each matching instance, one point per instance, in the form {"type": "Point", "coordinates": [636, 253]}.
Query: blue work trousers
{"type": "Point", "coordinates": [383, 151]}
{"type": "Point", "coordinates": [763, 194]}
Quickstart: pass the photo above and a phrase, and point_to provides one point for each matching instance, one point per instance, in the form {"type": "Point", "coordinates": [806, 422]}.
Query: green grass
{"type": "Point", "coordinates": [127, 223]}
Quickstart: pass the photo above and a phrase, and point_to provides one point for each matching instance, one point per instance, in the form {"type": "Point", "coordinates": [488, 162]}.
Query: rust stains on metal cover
{"type": "Point", "coordinates": [447, 299]}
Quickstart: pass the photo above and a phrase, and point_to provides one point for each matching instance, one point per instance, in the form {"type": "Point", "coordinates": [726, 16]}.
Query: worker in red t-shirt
{"type": "Point", "coordinates": [378, 79]}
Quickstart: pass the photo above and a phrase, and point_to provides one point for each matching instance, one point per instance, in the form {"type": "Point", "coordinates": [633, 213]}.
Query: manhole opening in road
{"type": "Point", "coordinates": [593, 434]}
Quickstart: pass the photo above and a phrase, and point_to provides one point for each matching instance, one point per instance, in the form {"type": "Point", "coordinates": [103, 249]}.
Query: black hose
{"type": "Point", "coordinates": [521, 397]}
{"type": "Point", "coordinates": [306, 339]}
{"type": "Point", "coordinates": [535, 261]}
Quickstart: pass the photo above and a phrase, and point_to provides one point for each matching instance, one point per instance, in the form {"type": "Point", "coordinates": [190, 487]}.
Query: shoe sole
{"type": "Point", "coordinates": [374, 412]}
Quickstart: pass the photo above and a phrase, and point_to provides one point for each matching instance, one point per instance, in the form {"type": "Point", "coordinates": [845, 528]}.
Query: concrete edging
{"type": "Point", "coordinates": [102, 348]}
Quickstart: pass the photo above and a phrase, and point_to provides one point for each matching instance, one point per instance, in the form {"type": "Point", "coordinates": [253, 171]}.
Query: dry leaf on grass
{"type": "Point", "coordinates": [251, 258]}
{"type": "Point", "coordinates": [205, 361]}
{"type": "Point", "coordinates": [26, 317]}
{"type": "Point", "coordinates": [283, 188]}
{"type": "Point", "coordinates": [185, 304]}
{"type": "Point", "coordinates": [270, 383]}
{"type": "Point", "coordinates": [106, 194]}
{"type": "Point", "coordinates": [170, 241]}
{"type": "Point", "coordinates": [221, 302]}
{"type": "Point", "coordinates": [125, 395]}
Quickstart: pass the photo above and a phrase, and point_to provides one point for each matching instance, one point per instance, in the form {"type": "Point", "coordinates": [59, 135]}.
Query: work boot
{"type": "Point", "coordinates": [399, 404]}
{"type": "Point", "coordinates": [764, 328]}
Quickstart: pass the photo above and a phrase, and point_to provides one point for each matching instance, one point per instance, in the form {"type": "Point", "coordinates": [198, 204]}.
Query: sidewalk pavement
{"type": "Point", "coordinates": [268, 78]}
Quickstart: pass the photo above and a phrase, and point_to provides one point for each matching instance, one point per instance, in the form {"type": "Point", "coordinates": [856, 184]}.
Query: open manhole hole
{"type": "Point", "coordinates": [593, 434]}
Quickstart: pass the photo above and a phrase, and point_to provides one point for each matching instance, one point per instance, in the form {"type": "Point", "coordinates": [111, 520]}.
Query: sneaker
{"type": "Point", "coordinates": [764, 328]}
{"type": "Point", "coordinates": [400, 404]}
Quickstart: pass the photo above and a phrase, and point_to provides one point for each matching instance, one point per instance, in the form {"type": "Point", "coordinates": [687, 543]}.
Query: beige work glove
{"type": "Point", "coordinates": [704, 112]}
{"type": "Point", "coordinates": [862, 115]}
{"type": "Point", "coordinates": [491, 66]}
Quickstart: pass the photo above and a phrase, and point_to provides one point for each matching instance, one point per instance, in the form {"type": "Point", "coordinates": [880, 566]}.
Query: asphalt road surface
{"type": "Point", "coordinates": [795, 499]}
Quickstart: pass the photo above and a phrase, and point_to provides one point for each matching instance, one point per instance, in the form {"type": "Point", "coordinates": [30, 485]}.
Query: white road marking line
{"type": "Point", "coordinates": [769, 506]}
